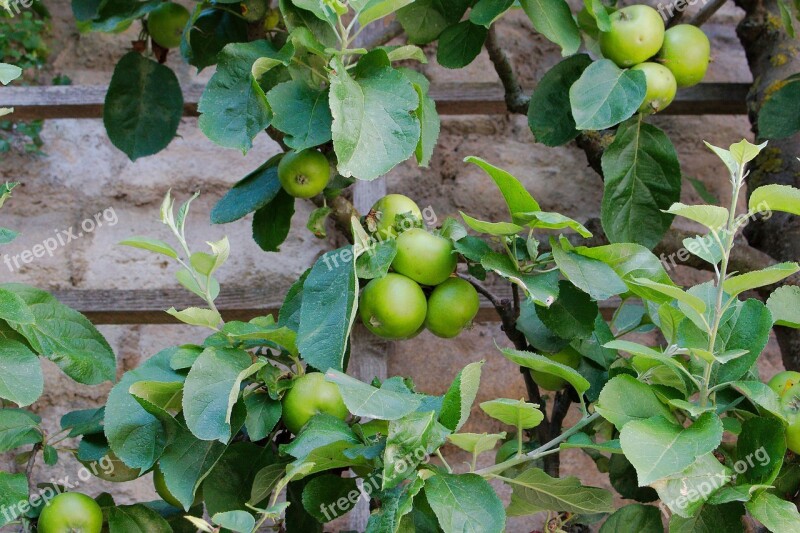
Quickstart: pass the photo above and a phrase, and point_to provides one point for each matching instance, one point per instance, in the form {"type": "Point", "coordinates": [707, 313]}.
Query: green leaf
{"type": "Point", "coordinates": [761, 446]}
{"type": "Point", "coordinates": [152, 245]}
{"type": "Point", "coordinates": [543, 364]}
{"type": "Point", "coordinates": [409, 442]}
{"type": "Point", "coordinates": [129, 518]}
{"type": "Point", "coordinates": [14, 309]}
{"type": "Point", "coordinates": [331, 457]}
{"type": "Point", "coordinates": [328, 309]}
{"type": "Point", "coordinates": [238, 521]}
{"type": "Point", "coordinates": [84, 422]}
{"type": "Point", "coordinates": [263, 414]}
{"type": "Point", "coordinates": [302, 113]}
{"type": "Point", "coordinates": [210, 31]}
{"type": "Point", "coordinates": [65, 337]}
{"type": "Point", "coordinates": [143, 106]}
{"type": "Point", "coordinates": [535, 491]}
{"type": "Point", "coordinates": [779, 115]}
{"type": "Point", "coordinates": [374, 127]}
{"type": "Point", "coordinates": [424, 20]}
{"type": "Point", "coordinates": [486, 12]}
{"type": "Point", "coordinates": [377, 9]}
{"type": "Point", "coordinates": [685, 492]}
{"type": "Point", "coordinates": [321, 430]}
{"type": "Point", "coordinates": [517, 413]}
{"type": "Point", "coordinates": [585, 442]}
{"type": "Point", "coordinates": [376, 261]}
{"type": "Point", "coordinates": [747, 329]}
{"type": "Point", "coordinates": [711, 216]}
{"type": "Point", "coordinates": [632, 261]}
{"type": "Point", "coordinates": [21, 378]}
{"type": "Point", "coordinates": [460, 396]}
{"type": "Point", "coordinates": [251, 193]}
{"type": "Point", "coordinates": [196, 316]}
{"type": "Point", "coordinates": [762, 396]}
{"type": "Point", "coordinates": [233, 107]}
{"type": "Point", "coordinates": [465, 502]}
{"type": "Point", "coordinates": [775, 198]}
{"type": "Point", "coordinates": [227, 487]}
{"type": "Point", "coordinates": [784, 304]}
{"type": "Point", "coordinates": [625, 399]}
{"type": "Point", "coordinates": [517, 198]}
{"type": "Point", "coordinates": [430, 124]}
{"type": "Point", "coordinates": [777, 515]}
{"type": "Point", "coordinates": [549, 112]}
{"type": "Point", "coordinates": [271, 223]}
{"type": "Point", "coordinates": [705, 247]}
{"type": "Point", "coordinates": [634, 517]}
{"type": "Point", "coordinates": [166, 396]}
{"type": "Point", "coordinates": [13, 493]}
{"type": "Point", "coordinates": [186, 462]}
{"type": "Point", "coordinates": [136, 436]}
{"type": "Point", "coordinates": [710, 519]}
{"type": "Point", "coordinates": [545, 220]}
{"type": "Point", "coordinates": [744, 151]}
{"type": "Point", "coordinates": [491, 228]}
{"type": "Point", "coordinates": [460, 44]}
{"type": "Point", "coordinates": [759, 278]}
{"type": "Point", "coordinates": [322, 10]}
{"type": "Point", "coordinates": [572, 315]}
{"type": "Point", "coordinates": [323, 494]}
{"type": "Point", "coordinates": [7, 235]}
{"type": "Point", "coordinates": [18, 428]}
{"type": "Point", "coordinates": [553, 19]}
{"type": "Point", "coordinates": [212, 389]}
{"type": "Point", "coordinates": [9, 73]}
{"type": "Point", "coordinates": [606, 95]}
{"type": "Point", "coordinates": [658, 447]}
{"type": "Point", "coordinates": [476, 443]}
{"type": "Point", "coordinates": [642, 177]}
{"type": "Point", "coordinates": [694, 302]}
{"type": "Point", "coordinates": [365, 400]}
{"type": "Point", "coordinates": [590, 275]}
{"type": "Point", "coordinates": [265, 481]}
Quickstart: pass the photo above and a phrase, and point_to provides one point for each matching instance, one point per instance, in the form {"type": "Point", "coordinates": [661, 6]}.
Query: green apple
{"type": "Point", "coordinates": [636, 35]}
{"type": "Point", "coordinates": [686, 53]}
{"type": "Point", "coordinates": [661, 87]}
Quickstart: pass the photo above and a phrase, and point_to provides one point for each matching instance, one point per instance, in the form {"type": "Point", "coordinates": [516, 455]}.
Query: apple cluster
{"type": "Point", "coordinates": [395, 306]}
{"type": "Point", "coordinates": [670, 59]}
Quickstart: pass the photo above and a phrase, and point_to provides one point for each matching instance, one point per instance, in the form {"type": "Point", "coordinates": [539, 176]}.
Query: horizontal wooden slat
{"type": "Point", "coordinates": [147, 306]}
{"type": "Point", "coordinates": [77, 101]}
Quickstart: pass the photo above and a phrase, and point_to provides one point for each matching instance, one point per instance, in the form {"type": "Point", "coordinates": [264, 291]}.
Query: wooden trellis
{"type": "Point", "coordinates": [146, 306]}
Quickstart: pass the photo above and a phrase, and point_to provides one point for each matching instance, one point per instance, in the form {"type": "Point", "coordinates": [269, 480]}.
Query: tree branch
{"type": "Point", "coordinates": [29, 467]}
{"type": "Point", "coordinates": [705, 13]}
{"type": "Point", "coordinates": [516, 101]}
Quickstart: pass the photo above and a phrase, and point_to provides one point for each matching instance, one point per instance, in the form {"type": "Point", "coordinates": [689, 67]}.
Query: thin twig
{"type": "Point", "coordinates": [30, 465]}
{"type": "Point", "coordinates": [481, 288]}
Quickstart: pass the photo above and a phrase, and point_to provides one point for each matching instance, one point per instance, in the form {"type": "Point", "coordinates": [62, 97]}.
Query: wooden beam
{"type": "Point", "coordinates": [147, 306]}
{"type": "Point", "coordinates": [75, 101]}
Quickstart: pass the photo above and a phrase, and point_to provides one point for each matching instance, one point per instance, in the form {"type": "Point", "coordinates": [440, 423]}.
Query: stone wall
{"type": "Point", "coordinates": [83, 174]}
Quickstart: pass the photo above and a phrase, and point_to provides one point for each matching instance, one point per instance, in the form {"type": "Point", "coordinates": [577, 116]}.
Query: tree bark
{"type": "Point", "coordinates": [772, 56]}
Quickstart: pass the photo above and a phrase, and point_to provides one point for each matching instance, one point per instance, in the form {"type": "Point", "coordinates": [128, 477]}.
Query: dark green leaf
{"type": "Point", "coordinates": [251, 193]}
{"type": "Point", "coordinates": [208, 35]}
{"type": "Point", "coordinates": [22, 380]}
{"type": "Point", "coordinates": [634, 517]}
{"type": "Point", "coordinates": [779, 116]}
{"type": "Point", "coordinates": [549, 112]}
{"type": "Point", "coordinates": [485, 12]}
{"type": "Point", "coordinates": [322, 494]}
{"type": "Point", "coordinates": [263, 414]}
{"type": "Point", "coordinates": [642, 177]}
{"type": "Point", "coordinates": [271, 223]}
{"type": "Point", "coordinates": [572, 315]}
{"type": "Point", "coordinates": [227, 487]}
{"type": "Point", "coordinates": [424, 20]}
{"type": "Point", "coordinates": [143, 106]}
{"type": "Point", "coordinates": [328, 310]}
{"type": "Point", "coordinates": [130, 518]}
{"type": "Point", "coordinates": [460, 44]}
